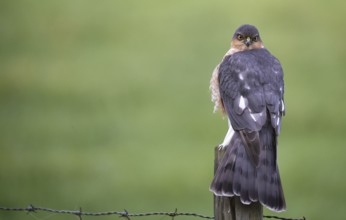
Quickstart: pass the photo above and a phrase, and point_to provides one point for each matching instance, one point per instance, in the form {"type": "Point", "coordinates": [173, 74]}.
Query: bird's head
{"type": "Point", "coordinates": [246, 37]}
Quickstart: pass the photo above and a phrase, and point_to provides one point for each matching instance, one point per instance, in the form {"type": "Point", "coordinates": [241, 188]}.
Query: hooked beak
{"type": "Point", "coordinates": [248, 41]}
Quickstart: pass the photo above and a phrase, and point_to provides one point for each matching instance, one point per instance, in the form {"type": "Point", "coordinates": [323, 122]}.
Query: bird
{"type": "Point", "coordinates": [248, 87]}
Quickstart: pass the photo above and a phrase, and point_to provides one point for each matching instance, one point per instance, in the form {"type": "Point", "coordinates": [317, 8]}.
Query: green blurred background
{"type": "Point", "coordinates": [105, 105]}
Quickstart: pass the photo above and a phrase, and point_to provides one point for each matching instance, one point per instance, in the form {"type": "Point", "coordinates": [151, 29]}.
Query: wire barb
{"type": "Point", "coordinates": [125, 214]}
{"type": "Point", "coordinates": [31, 208]}
{"type": "Point", "coordinates": [173, 214]}
{"type": "Point", "coordinates": [79, 213]}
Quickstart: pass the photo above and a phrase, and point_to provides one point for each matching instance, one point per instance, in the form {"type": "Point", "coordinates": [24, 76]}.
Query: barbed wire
{"type": "Point", "coordinates": [281, 218]}
{"type": "Point", "coordinates": [124, 214]}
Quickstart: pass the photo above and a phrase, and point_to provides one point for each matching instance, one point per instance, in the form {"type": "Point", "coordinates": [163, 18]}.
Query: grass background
{"type": "Point", "coordinates": [105, 105]}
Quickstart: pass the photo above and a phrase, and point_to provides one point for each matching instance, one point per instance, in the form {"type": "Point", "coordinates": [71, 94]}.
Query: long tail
{"type": "Point", "coordinates": [237, 175]}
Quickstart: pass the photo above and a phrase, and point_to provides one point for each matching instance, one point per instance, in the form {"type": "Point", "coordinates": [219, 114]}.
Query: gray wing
{"type": "Point", "coordinates": [251, 88]}
{"type": "Point", "coordinates": [251, 82]}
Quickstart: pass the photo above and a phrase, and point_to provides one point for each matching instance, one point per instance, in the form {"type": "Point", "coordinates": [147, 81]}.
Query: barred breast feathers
{"type": "Point", "coordinates": [214, 84]}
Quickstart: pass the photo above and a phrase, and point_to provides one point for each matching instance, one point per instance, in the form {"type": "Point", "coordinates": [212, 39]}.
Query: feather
{"type": "Point", "coordinates": [251, 90]}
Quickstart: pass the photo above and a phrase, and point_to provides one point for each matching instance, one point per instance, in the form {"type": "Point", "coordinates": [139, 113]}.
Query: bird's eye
{"type": "Point", "coordinates": [254, 39]}
{"type": "Point", "coordinates": [240, 37]}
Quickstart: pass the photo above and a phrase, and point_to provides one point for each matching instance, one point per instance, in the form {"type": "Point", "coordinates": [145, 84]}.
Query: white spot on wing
{"type": "Point", "coordinates": [241, 77]}
{"type": "Point", "coordinates": [278, 121]}
{"type": "Point", "coordinates": [256, 116]}
{"type": "Point", "coordinates": [253, 117]}
{"type": "Point", "coordinates": [282, 106]}
{"type": "Point", "coordinates": [242, 103]}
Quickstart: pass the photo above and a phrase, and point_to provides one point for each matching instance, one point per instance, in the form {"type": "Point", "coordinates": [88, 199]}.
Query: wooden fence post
{"type": "Point", "coordinates": [230, 208]}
